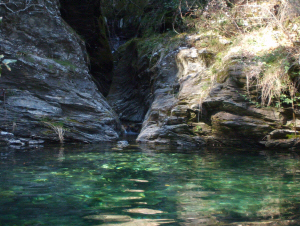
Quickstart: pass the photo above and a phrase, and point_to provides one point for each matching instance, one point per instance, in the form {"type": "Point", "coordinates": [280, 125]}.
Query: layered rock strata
{"type": "Point", "coordinates": [49, 90]}
{"type": "Point", "coordinates": [191, 107]}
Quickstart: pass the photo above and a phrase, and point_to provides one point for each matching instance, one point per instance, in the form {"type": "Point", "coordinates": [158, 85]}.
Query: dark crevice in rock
{"type": "Point", "coordinates": [130, 91]}
{"type": "Point", "coordinates": [85, 17]}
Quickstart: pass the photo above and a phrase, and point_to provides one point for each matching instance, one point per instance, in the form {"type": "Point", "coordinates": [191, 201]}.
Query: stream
{"type": "Point", "coordinates": [82, 185]}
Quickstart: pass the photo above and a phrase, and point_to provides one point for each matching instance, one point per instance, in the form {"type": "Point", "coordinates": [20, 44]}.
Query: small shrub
{"type": "Point", "coordinates": [198, 129]}
{"type": "Point", "coordinates": [292, 136]}
{"type": "Point", "coordinates": [57, 128]}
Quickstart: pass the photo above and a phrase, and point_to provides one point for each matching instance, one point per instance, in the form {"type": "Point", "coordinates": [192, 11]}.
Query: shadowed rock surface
{"type": "Point", "coordinates": [130, 91]}
{"type": "Point", "coordinates": [50, 83]}
{"type": "Point", "coordinates": [85, 17]}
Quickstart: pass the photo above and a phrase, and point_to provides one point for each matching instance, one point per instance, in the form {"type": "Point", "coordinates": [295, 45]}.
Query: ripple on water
{"type": "Point", "coordinates": [95, 185]}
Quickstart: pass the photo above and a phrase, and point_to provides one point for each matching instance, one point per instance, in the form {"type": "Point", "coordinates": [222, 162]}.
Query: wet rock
{"type": "Point", "coordinates": [4, 136]}
{"type": "Point", "coordinates": [122, 144]}
{"type": "Point", "coordinates": [16, 142]}
{"type": "Point", "coordinates": [91, 26]}
{"type": "Point", "coordinates": [130, 90]}
{"type": "Point", "coordinates": [177, 135]}
{"type": "Point", "coordinates": [35, 142]}
{"type": "Point", "coordinates": [283, 143]}
{"type": "Point", "coordinates": [282, 133]}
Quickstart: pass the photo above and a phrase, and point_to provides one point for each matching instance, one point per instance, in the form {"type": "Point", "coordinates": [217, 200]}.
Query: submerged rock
{"type": "Point", "coordinates": [122, 144]}
{"type": "Point", "coordinates": [109, 218]}
{"type": "Point", "coordinates": [144, 211]}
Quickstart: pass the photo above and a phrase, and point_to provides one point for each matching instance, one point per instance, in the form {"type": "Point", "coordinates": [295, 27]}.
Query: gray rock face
{"type": "Point", "coordinates": [49, 88]}
{"type": "Point", "coordinates": [192, 107]}
{"type": "Point", "coordinates": [166, 122]}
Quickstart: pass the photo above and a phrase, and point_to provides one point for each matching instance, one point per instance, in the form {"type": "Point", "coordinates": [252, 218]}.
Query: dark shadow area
{"type": "Point", "coordinates": [85, 17]}
{"type": "Point", "coordinates": [130, 91]}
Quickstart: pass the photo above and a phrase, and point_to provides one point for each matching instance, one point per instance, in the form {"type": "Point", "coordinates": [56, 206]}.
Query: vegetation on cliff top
{"type": "Point", "coordinates": [261, 38]}
{"type": "Point", "coordinates": [263, 35]}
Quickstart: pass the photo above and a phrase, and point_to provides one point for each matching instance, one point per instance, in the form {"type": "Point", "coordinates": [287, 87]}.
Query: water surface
{"type": "Point", "coordinates": [140, 186]}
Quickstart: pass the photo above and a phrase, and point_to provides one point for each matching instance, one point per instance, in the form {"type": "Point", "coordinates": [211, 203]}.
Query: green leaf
{"type": "Point", "coordinates": [286, 69]}
{"type": "Point", "coordinates": [283, 96]}
{"type": "Point", "coordinates": [9, 61]}
{"type": "Point", "coordinates": [288, 101]}
{"type": "Point", "coordinates": [0, 70]}
{"type": "Point", "coordinates": [8, 67]}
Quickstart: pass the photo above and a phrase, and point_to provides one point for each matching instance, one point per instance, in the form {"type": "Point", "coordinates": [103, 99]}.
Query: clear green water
{"type": "Point", "coordinates": [99, 185]}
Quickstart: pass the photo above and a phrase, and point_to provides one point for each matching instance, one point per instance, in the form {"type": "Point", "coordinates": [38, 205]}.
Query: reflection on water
{"type": "Point", "coordinates": [138, 186]}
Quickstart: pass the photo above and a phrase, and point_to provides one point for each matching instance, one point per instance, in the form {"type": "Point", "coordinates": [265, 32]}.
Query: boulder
{"type": "Point", "coordinates": [283, 133]}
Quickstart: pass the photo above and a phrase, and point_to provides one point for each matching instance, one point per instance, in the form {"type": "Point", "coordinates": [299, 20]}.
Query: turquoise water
{"type": "Point", "coordinates": [138, 186]}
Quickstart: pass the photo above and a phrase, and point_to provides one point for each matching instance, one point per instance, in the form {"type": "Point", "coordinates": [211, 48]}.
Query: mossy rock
{"type": "Point", "coordinates": [201, 129]}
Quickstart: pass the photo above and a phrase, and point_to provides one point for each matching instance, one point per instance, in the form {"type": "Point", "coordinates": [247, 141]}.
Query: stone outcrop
{"type": "Point", "coordinates": [49, 87]}
{"type": "Point", "coordinates": [166, 120]}
{"type": "Point", "coordinates": [191, 107]}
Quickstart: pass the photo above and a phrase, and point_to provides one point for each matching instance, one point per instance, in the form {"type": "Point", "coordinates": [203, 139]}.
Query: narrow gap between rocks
{"type": "Point", "coordinates": [85, 17]}
{"type": "Point", "coordinates": [132, 103]}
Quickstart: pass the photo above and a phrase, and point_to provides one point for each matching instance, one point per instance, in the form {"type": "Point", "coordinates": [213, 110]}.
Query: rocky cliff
{"type": "Point", "coordinates": [235, 82]}
{"type": "Point", "coordinates": [192, 104]}
{"type": "Point", "coordinates": [200, 112]}
{"type": "Point", "coordinates": [220, 86]}
{"type": "Point", "coordinates": [49, 91]}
